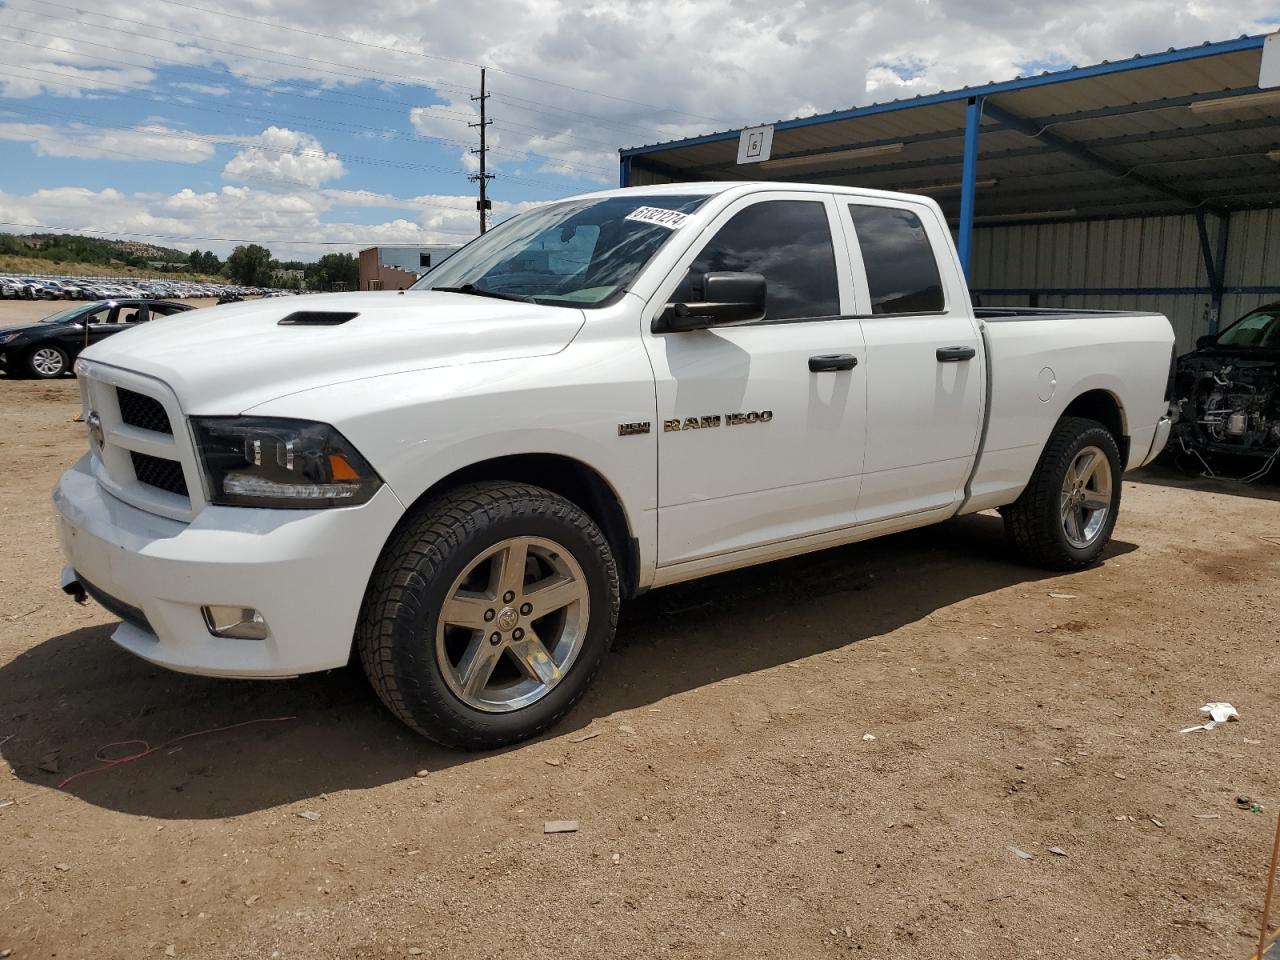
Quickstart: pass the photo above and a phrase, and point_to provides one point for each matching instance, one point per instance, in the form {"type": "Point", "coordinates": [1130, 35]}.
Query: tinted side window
{"type": "Point", "coordinates": [789, 242]}
{"type": "Point", "coordinates": [902, 272]}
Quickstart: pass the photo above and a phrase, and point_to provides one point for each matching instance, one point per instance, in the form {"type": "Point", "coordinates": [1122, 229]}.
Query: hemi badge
{"type": "Point", "coordinates": [633, 429]}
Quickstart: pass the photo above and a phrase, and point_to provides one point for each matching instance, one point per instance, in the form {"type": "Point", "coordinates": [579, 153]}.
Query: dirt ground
{"type": "Point", "coordinates": [731, 800]}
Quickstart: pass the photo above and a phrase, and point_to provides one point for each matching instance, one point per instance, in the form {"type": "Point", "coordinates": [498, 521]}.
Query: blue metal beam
{"type": "Point", "coordinates": [1139, 62]}
{"type": "Point", "coordinates": [1223, 226]}
{"type": "Point", "coordinates": [969, 180]}
{"type": "Point", "coordinates": [1083, 153]}
{"type": "Point", "coordinates": [624, 171]}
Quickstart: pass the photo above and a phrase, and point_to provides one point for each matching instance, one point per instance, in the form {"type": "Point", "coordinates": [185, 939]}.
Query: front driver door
{"type": "Point", "coordinates": [754, 446]}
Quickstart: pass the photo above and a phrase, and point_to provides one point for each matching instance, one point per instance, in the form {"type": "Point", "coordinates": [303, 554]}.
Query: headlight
{"type": "Point", "coordinates": [271, 462]}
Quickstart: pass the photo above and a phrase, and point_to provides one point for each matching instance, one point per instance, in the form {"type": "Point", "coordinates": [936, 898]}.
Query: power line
{"type": "Point", "coordinates": [403, 79]}
{"type": "Point", "coordinates": [396, 107]}
{"type": "Point", "coordinates": [161, 236]}
{"type": "Point", "coordinates": [253, 143]}
{"type": "Point", "coordinates": [322, 122]}
{"type": "Point", "coordinates": [428, 56]}
{"type": "Point", "coordinates": [272, 180]}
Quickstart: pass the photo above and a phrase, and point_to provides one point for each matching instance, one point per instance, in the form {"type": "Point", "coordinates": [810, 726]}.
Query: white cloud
{"type": "Point", "coordinates": [208, 89]}
{"type": "Point", "coordinates": [289, 156]}
{"type": "Point", "coordinates": [150, 140]}
{"type": "Point", "coordinates": [622, 73]}
{"type": "Point", "coordinates": [295, 221]}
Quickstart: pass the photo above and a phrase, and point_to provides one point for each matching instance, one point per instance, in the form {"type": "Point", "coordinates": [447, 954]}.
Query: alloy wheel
{"type": "Point", "coordinates": [1086, 497]}
{"type": "Point", "coordinates": [512, 624]}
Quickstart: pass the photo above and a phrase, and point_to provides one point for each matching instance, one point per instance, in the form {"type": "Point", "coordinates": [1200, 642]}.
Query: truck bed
{"type": "Point", "coordinates": [1037, 370]}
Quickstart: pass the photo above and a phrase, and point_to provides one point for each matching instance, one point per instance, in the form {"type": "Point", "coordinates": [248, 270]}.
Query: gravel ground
{"type": "Point", "coordinates": [731, 798]}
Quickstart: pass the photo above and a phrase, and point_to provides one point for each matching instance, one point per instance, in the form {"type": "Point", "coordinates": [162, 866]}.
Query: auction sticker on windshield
{"type": "Point", "coordinates": [671, 219]}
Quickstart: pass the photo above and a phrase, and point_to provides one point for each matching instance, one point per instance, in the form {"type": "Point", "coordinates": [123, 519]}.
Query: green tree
{"type": "Point", "coordinates": [250, 265]}
{"type": "Point", "coordinates": [334, 271]}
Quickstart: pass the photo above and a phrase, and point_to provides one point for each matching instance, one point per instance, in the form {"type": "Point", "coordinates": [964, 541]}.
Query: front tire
{"type": "Point", "coordinates": [47, 361]}
{"type": "Point", "coordinates": [1065, 516]}
{"type": "Point", "coordinates": [489, 614]}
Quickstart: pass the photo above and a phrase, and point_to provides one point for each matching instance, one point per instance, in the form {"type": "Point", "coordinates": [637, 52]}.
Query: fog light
{"type": "Point", "coordinates": [240, 623]}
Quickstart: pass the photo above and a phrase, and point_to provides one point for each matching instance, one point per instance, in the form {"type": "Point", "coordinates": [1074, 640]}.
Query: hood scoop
{"type": "Point", "coordinates": [316, 318]}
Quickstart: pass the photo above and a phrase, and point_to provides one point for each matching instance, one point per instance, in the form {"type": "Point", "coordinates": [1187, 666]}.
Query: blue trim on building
{"type": "Point", "coordinates": [1117, 291]}
{"type": "Point", "coordinates": [1139, 62]}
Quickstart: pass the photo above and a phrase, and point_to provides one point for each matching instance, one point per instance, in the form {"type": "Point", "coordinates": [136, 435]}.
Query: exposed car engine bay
{"type": "Point", "coordinates": [1226, 395]}
{"type": "Point", "coordinates": [1233, 404]}
{"type": "Point", "coordinates": [1228, 406]}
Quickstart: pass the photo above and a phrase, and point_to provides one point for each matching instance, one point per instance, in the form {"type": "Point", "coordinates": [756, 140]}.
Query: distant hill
{"type": "Point", "coordinates": [76, 256]}
{"type": "Point", "coordinates": [67, 248]}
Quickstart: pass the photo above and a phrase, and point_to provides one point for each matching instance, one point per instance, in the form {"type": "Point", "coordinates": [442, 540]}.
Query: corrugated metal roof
{"type": "Point", "coordinates": [1112, 139]}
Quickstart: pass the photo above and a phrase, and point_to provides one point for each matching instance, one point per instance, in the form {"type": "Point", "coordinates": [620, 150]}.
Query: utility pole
{"type": "Point", "coordinates": [484, 203]}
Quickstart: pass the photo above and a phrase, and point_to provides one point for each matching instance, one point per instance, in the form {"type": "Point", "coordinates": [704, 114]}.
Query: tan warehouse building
{"type": "Point", "coordinates": [397, 268]}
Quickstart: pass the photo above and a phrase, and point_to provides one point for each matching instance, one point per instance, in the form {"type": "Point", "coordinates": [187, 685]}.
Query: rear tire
{"type": "Point", "coordinates": [455, 636]}
{"type": "Point", "coordinates": [1065, 516]}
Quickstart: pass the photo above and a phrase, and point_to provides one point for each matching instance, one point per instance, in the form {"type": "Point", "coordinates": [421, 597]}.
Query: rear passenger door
{"type": "Point", "coordinates": [925, 367]}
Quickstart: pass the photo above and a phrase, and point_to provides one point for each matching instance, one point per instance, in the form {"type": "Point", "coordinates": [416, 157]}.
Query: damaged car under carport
{"type": "Point", "coordinates": [1227, 393]}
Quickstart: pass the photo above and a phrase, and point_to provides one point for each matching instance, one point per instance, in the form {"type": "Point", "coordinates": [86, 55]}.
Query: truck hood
{"type": "Point", "coordinates": [223, 360]}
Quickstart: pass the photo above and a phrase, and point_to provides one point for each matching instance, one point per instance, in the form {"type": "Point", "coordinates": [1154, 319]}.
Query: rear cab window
{"type": "Point", "coordinates": [900, 262]}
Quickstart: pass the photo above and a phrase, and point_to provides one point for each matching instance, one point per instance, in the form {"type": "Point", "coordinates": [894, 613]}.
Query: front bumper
{"type": "Point", "coordinates": [304, 570]}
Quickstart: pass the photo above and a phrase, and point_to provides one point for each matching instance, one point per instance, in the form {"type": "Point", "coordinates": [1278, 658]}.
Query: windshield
{"type": "Point", "coordinates": [1258, 329]}
{"type": "Point", "coordinates": [65, 315]}
{"type": "Point", "coordinates": [577, 253]}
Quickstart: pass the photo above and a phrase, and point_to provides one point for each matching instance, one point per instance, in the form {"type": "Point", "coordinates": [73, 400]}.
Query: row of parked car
{"type": "Point", "coordinates": [89, 288]}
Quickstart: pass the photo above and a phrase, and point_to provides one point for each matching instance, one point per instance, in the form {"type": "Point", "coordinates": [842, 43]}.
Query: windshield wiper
{"type": "Point", "coordinates": [475, 291]}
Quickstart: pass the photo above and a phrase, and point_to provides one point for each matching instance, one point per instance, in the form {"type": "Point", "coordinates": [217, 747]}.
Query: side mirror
{"type": "Point", "coordinates": [1208, 340]}
{"type": "Point", "coordinates": [725, 298]}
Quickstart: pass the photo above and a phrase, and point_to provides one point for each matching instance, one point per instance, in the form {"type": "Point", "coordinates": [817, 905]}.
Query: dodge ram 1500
{"type": "Point", "coordinates": [600, 396]}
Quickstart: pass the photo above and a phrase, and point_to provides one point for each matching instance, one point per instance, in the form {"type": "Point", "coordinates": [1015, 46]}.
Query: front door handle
{"type": "Point", "coordinates": [956, 354]}
{"type": "Point", "coordinates": [827, 362]}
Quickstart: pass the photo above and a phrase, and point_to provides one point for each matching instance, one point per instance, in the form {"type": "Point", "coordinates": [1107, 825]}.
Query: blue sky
{"type": "Point", "coordinates": [335, 125]}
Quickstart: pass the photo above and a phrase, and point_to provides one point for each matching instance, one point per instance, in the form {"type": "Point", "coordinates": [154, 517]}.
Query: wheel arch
{"type": "Point", "coordinates": [1107, 409]}
{"type": "Point", "coordinates": [570, 478]}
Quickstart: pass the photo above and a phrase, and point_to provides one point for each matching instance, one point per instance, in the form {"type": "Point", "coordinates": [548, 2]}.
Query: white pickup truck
{"type": "Point", "coordinates": [603, 395]}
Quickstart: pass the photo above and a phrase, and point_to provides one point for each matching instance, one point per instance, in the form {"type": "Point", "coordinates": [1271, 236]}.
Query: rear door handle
{"type": "Point", "coordinates": [826, 362]}
{"type": "Point", "coordinates": [955, 354]}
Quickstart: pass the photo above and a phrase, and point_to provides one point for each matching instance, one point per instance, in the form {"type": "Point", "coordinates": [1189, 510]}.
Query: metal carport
{"type": "Point", "coordinates": [1149, 183]}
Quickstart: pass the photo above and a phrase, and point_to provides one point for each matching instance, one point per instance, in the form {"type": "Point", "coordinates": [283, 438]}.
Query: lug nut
{"type": "Point", "coordinates": [526, 609]}
{"type": "Point", "coordinates": [508, 597]}
{"type": "Point", "coordinates": [517, 634]}
{"type": "Point", "coordinates": [495, 638]}
{"type": "Point", "coordinates": [489, 615]}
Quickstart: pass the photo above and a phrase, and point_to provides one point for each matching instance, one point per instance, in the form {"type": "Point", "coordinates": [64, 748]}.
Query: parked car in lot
{"type": "Point", "coordinates": [600, 396]}
{"type": "Point", "coordinates": [47, 348]}
{"type": "Point", "coordinates": [1228, 391]}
